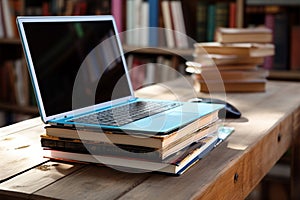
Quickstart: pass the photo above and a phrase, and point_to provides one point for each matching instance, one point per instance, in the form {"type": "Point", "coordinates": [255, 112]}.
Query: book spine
{"type": "Point", "coordinates": [211, 22]}
{"type": "Point", "coordinates": [116, 10]}
{"type": "Point", "coordinates": [129, 22]}
{"type": "Point", "coordinates": [295, 48]}
{"type": "Point", "coordinates": [2, 25]}
{"type": "Point", "coordinates": [232, 14]}
{"type": "Point", "coordinates": [167, 19]}
{"type": "Point", "coordinates": [153, 22]}
{"type": "Point", "coordinates": [201, 21]}
{"type": "Point", "coordinates": [269, 23]}
{"type": "Point", "coordinates": [7, 14]}
{"type": "Point", "coordinates": [222, 14]}
{"type": "Point", "coordinates": [281, 42]}
{"type": "Point", "coordinates": [102, 149]}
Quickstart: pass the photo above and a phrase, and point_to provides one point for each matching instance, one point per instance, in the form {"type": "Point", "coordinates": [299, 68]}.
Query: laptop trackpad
{"type": "Point", "coordinates": [163, 122]}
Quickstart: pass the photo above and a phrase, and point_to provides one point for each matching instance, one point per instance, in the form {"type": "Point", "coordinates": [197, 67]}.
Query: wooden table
{"type": "Point", "coordinates": [269, 126]}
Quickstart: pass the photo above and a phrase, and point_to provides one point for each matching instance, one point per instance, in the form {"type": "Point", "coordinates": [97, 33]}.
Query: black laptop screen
{"type": "Point", "coordinates": [81, 54]}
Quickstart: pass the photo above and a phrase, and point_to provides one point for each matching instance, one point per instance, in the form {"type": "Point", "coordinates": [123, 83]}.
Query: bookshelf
{"type": "Point", "coordinates": [11, 51]}
{"type": "Point", "coordinates": [283, 16]}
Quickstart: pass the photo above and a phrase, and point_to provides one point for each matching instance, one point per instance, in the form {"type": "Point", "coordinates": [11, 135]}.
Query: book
{"type": "Point", "coordinates": [176, 167]}
{"type": "Point", "coordinates": [233, 75]}
{"type": "Point", "coordinates": [240, 49]}
{"type": "Point", "coordinates": [181, 40]}
{"type": "Point", "coordinates": [232, 15]}
{"type": "Point", "coordinates": [222, 15]}
{"type": "Point", "coordinates": [158, 141]}
{"type": "Point", "coordinates": [281, 41]}
{"type": "Point", "coordinates": [8, 19]}
{"type": "Point", "coordinates": [220, 59]}
{"type": "Point", "coordinates": [244, 35]}
{"type": "Point", "coordinates": [211, 22]}
{"type": "Point", "coordinates": [121, 150]}
{"type": "Point", "coordinates": [153, 23]}
{"type": "Point", "coordinates": [116, 10]}
{"type": "Point", "coordinates": [295, 48]}
{"type": "Point", "coordinates": [167, 19]}
{"type": "Point", "coordinates": [196, 68]}
{"type": "Point", "coordinates": [201, 18]}
{"type": "Point", "coordinates": [230, 86]}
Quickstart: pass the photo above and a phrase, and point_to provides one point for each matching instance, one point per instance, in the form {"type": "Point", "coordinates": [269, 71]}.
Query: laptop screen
{"type": "Point", "coordinates": [76, 55]}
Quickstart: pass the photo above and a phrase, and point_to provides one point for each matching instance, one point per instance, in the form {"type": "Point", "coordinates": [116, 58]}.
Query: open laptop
{"type": "Point", "coordinates": [78, 70]}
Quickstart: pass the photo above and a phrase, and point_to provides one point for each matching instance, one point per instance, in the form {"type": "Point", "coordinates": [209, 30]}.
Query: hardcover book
{"type": "Point", "coordinates": [120, 149]}
{"type": "Point", "coordinates": [240, 49]}
{"type": "Point", "coordinates": [176, 167]}
{"type": "Point", "coordinates": [135, 138]}
{"type": "Point", "coordinates": [242, 35]}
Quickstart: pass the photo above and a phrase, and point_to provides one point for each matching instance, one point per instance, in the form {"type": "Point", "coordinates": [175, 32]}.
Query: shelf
{"type": "Point", "coordinates": [284, 75]}
{"type": "Point", "coordinates": [273, 2]}
{"type": "Point", "coordinates": [30, 110]}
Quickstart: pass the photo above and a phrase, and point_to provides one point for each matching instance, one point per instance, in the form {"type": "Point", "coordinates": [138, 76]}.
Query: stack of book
{"type": "Point", "coordinates": [170, 153]}
{"type": "Point", "coordinates": [237, 54]}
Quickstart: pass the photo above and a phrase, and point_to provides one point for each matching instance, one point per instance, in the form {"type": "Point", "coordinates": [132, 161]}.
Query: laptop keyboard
{"type": "Point", "coordinates": [125, 114]}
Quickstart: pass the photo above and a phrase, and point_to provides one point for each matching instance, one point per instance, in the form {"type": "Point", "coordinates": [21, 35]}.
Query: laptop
{"type": "Point", "coordinates": [80, 78]}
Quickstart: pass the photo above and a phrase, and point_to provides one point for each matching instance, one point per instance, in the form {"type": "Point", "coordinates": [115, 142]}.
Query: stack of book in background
{"type": "Point", "coordinates": [172, 152]}
{"type": "Point", "coordinates": [237, 53]}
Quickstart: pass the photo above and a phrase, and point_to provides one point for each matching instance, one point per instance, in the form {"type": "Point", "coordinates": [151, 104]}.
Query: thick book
{"type": "Point", "coordinates": [239, 49]}
{"type": "Point", "coordinates": [196, 68]}
{"type": "Point", "coordinates": [233, 75]}
{"type": "Point", "coordinates": [244, 35]}
{"type": "Point", "coordinates": [176, 167]}
{"type": "Point", "coordinates": [230, 86]}
{"type": "Point", "coordinates": [220, 59]}
{"type": "Point", "coordinates": [134, 151]}
{"type": "Point", "coordinates": [133, 138]}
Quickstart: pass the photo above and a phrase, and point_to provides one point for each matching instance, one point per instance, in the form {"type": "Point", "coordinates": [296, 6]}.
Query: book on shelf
{"type": "Point", "coordinates": [269, 23]}
{"type": "Point", "coordinates": [281, 41]}
{"type": "Point", "coordinates": [168, 24]}
{"type": "Point", "coordinates": [295, 48]}
{"type": "Point", "coordinates": [240, 49]}
{"type": "Point", "coordinates": [135, 138]}
{"type": "Point", "coordinates": [133, 151]}
{"type": "Point", "coordinates": [201, 20]}
{"type": "Point", "coordinates": [14, 83]}
{"type": "Point", "coordinates": [176, 166]}
{"type": "Point", "coordinates": [174, 24]}
{"type": "Point", "coordinates": [244, 35]}
{"type": "Point", "coordinates": [141, 23]}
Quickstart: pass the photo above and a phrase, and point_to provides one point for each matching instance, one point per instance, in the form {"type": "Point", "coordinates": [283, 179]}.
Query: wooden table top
{"type": "Point", "coordinates": [230, 171]}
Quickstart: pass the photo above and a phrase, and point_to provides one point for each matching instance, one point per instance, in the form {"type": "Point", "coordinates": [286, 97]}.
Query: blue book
{"type": "Point", "coordinates": [211, 22]}
{"type": "Point", "coordinates": [153, 23]}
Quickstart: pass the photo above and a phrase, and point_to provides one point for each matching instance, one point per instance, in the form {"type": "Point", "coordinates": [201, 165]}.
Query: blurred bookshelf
{"type": "Point", "coordinates": [283, 17]}
{"type": "Point", "coordinates": [199, 18]}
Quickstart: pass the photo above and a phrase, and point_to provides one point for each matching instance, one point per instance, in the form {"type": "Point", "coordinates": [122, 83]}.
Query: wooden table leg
{"type": "Point", "coordinates": [295, 158]}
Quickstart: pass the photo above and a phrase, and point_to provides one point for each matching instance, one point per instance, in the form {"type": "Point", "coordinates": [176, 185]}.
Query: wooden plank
{"type": "Point", "coordinates": [20, 126]}
{"type": "Point", "coordinates": [20, 151]}
{"type": "Point", "coordinates": [23, 185]}
{"type": "Point", "coordinates": [295, 153]}
{"type": "Point", "coordinates": [92, 182]}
